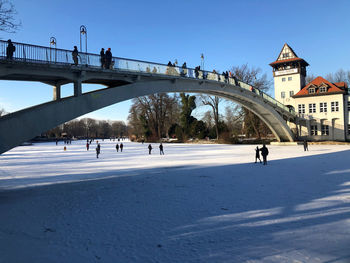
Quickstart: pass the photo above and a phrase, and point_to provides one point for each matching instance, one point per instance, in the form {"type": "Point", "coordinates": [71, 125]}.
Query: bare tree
{"type": "Point", "coordinates": [8, 22]}
{"type": "Point", "coordinates": [213, 103]}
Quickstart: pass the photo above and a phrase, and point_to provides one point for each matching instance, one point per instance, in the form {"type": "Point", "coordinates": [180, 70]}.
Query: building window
{"type": "Point", "coordinates": [283, 79]}
{"type": "Point", "coordinates": [334, 106]}
{"type": "Point", "coordinates": [311, 90]}
{"type": "Point", "coordinates": [313, 129]}
{"type": "Point", "coordinates": [301, 108]}
{"type": "Point", "coordinates": [291, 93]}
{"type": "Point", "coordinates": [323, 89]}
{"type": "Point", "coordinates": [348, 105]}
{"type": "Point", "coordinates": [348, 129]}
{"type": "Point", "coordinates": [323, 107]}
{"type": "Point", "coordinates": [289, 78]}
{"type": "Point", "coordinates": [312, 108]}
{"type": "Point", "coordinates": [324, 130]}
{"type": "Point", "coordinates": [283, 94]}
{"type": "Point", "coordinates": [285, 55]}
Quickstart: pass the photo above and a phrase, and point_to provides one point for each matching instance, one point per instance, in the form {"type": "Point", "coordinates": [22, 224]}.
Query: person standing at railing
{"type": "Point", "coordinates": [75, 54]}
{"type": "Point", "coordinates": [10, 49]}
{"type": "Point", "coordinates": [103, 57]}
{"type": "Point", "coordinates": [108, 58]}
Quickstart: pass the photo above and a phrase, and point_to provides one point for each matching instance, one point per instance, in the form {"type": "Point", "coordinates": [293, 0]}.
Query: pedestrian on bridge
{"type": "Point", "coordinates": [149, 149]}
{"type": "Point", "coordinates": [108, 57]}
{"type": "Point", "coordinates": [121, 147]}
{"type": "Point", "coordinates": [103, 57]}
{"type": "Point", "coordinates": [87, 146]}
{"type": "Point", "coordinates": [117, 147]}
{"type": "Point", "coordinates": [75, 54]}
{"type": "Point", "coordinates": [10, 49]}
{"type": "Point", "coordinates": [306, 148]}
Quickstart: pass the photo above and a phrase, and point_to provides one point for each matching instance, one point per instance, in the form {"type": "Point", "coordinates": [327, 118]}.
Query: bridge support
{"type": "Point", "coordinates": [57, 92]}
{"type": "Point", "coordinates": [77, 88]}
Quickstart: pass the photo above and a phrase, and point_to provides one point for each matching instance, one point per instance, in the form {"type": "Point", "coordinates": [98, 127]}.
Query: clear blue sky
{"type": "Point", "coordinates": [228, 32]}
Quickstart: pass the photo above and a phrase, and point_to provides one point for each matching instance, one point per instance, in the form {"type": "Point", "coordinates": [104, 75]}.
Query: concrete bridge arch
{"type": "Point", "coordinates": [25, 124]}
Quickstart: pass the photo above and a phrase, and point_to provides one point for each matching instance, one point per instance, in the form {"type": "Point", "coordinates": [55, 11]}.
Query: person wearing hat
{"type": "Point", "coordinates": [10, 49]}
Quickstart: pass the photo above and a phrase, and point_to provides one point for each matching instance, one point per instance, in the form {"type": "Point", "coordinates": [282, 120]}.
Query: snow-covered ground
{"type": "Point", "coordinates": [197, 203]}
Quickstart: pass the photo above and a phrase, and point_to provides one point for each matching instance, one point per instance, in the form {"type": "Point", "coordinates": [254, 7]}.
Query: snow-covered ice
{"type": "Point", "coordinates": [197, 203]}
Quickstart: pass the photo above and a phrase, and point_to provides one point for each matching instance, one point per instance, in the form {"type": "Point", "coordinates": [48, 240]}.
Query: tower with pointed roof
{"type": "Point", "coordinates": [289, 73]}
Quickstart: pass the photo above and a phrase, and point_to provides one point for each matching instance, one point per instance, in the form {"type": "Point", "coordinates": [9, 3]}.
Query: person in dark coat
{"type": "Point", "coordinates": [264, 153]}
{"type": "Point", "coordinates": [75, 54]}
{"type": "Point", "coordinates": [87, 146]}
{"type": "Point", "coordinates": [108, 56]}
{"type": "Point", "coordinates": [161, 149]}
{"type": "Point", "coordinates": [117, 147]}
{"type": "Point", "coordinates": [98, 150]}
{"type": "Point", "coordinates": [10, 49]}
{"type": "Point", "coordinates": [149, 149]}
{"type": "Point", "coordinates": [257, 154]}
{"type": "Point", "coordinates": [103, 57]}
{"type": "Point", "coordinates": [305, 146]}
{"type": "Point", "coordinates": [121, 147]}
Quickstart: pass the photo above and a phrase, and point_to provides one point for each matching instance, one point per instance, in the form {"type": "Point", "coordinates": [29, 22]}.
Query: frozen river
{"type": "Point", "coordinates": [197, 203]}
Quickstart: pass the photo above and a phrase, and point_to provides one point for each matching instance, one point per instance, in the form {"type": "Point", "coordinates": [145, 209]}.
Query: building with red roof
{"type": "Point", "coordinates": [323, 105]}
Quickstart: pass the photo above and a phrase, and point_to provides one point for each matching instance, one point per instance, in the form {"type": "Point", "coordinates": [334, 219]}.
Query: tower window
{"type": "Point", "coordinates": [283, 79]}
{"type": "Point", "coordinates": [283, 94]}
{"type": "Point", "coordinates": [289, 78]}
{"type": "Point", "coordinates": [312, 108]}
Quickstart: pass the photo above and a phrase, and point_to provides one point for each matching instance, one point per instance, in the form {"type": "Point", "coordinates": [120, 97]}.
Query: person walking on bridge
{"type": "Point", "coordinates": [103, 57]}
{"type": "Point", "coordinates": [75, 54]}
{"type": "Point", "coordinates": [98, 150]}
{"type": "Point", "coordinates": [10, 49]}
{"type": "Point", "coordinates": [149, 149]}
{"type": "Point", "coordinates": [121, 147]}
{"type": "Point", "coordinates": [117, 147]}
{"type": "Point", "coordinates": [108, 57]}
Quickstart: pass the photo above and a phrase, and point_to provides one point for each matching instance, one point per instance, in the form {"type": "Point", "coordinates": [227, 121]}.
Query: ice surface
{"type": "Point", "coordinates": [197, 203]}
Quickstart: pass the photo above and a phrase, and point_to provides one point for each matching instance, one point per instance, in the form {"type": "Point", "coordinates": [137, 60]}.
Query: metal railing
{"type": "Point", "coordinates": [46, 55]}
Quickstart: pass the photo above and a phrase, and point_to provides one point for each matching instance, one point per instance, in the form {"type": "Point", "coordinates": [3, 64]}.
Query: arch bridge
{"type": "Point", "coordinates": [124, 80]}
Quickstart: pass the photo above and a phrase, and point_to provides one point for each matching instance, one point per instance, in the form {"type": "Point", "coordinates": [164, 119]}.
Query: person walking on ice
{"type": "Point", "coordinates": [305, 146]}
{"type": "Point", "coordinates": [117, 147]}
{"type": "Point", "coordinates": [98, 150]}
{"type": "Point", "coordinates": [264, 153]}
{"type": "Point", "coordinates": [121, 147]}
{"type": "Point", "coordinates": [149, 149]}
{"type": "Point", "coordinates": [257, 154]}
{"type": "Point", "coordinates": [161, 152]}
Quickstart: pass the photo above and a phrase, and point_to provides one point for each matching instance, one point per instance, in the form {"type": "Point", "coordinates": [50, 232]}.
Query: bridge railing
{"type": "Point", "coordinates": [46, 55]}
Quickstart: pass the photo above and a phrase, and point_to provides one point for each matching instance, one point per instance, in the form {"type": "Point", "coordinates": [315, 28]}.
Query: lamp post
{"type": "Point", "coordinates": [202, 61]}
{"type": "Point", "coordinates": [53, 44]}
{"type": "Point", "coordinates": [83, 31]}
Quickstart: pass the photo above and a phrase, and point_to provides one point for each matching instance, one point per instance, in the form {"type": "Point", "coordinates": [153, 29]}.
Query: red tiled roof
{"type": "Point", "coordinates": [287, 60]}
{"type": "Point", "coordinates": [331, 87]}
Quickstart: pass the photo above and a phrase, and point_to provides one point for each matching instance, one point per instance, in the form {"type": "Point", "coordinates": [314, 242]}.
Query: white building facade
{"type": "Point", "coordinates": [324, 105]}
